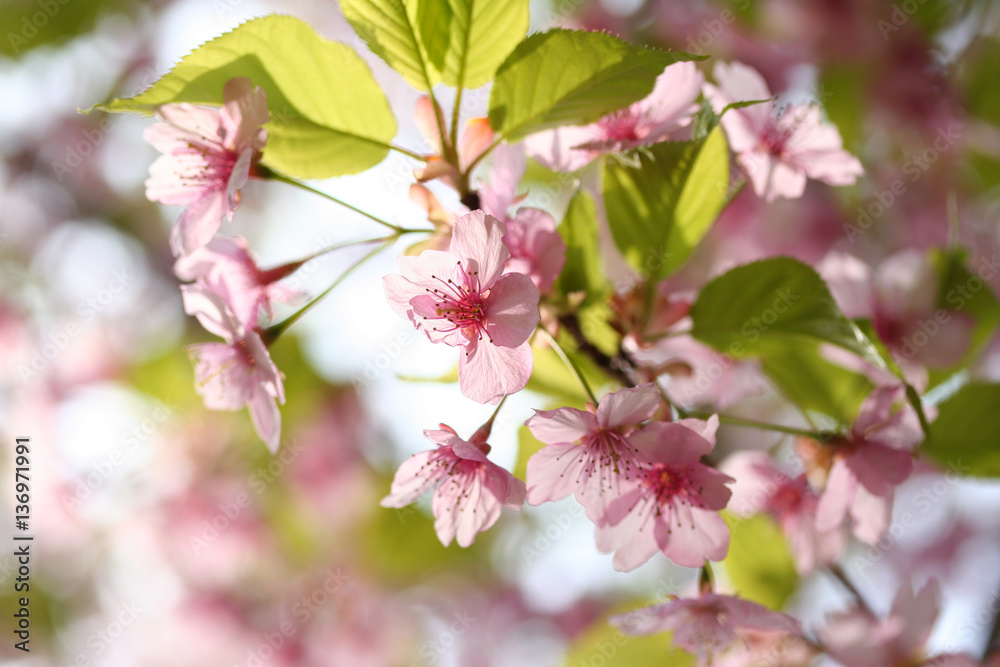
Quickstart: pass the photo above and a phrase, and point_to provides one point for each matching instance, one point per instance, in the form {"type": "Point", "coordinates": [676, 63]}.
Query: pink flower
{"type": "Point", "coordinates": [668, 108]}
{"type": "Point", "coordinates": [856, 638]}
{"type": "Point", "coordinates": [460, 298]}
{"type": "Point", "coordinates": [588, 453]}
{"type": "Point", "coordinates": [761, 486]}
{"type": "Point", "coordinates": [778, 151]}
{"type": "Point", "coordinates": [470, 490]}
{"type": "Point", "coordinates": [706, 626]}
{"type": "Point", "coordinates": [868, 464]}
{"type": "Point", "coordinates": [536, 248]}
{"type": "Point", "coordinates": [901, 299]}
{"type": "Point", "coordinates": [475, 139]}
{"type": "Point", "coordinates": [208, 155]}
{"type": "Point", "coordinates": [236, 373]}
{"type": "Point", "coordinates": [226, 268]}
{"type": "Point", "coordinates": [672, 504]}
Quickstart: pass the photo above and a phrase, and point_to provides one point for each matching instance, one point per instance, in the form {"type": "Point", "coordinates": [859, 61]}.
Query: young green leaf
{"type": "Point", "coordinates": [966, 433]}
{"type": "Point", "coordinates": [392, 30]}
{"type": "Point", "coordinates": [572, 77]}
{"type": "Point", "coordinates": [483, 33]}
{"type": "Point", "coordinates": [759, 563]}
{"type": "Point", "coordinates": [662, 200]}
{"type": "Point", "coordinates": [583, 270]}
{"type": "Point", "coordinates": [328, 115]}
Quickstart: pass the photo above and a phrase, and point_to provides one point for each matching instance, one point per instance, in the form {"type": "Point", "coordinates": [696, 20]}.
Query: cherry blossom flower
{"type": "Point", "coordinates": [460, 298]}
{"type": "Point", "coordinates": [442, 219]}
{"type": "Point", "coordinates": [476, 138]}
{"type": "Point", "coordinates": [470, 489]}
{"type": "Point", "coordinates": [588, 452]}
{"type": "Point", "coordinates": [762, 486]}
{"type": "Point", "coordinates": [239, 372]}
{"type": "Point", "coordinates": [655, 118]}
{"type": "Point", "coordinates": [208, 155]}
{"type": "Point", "coordinates": [901, 299]}
{"type": "Point", "coordinates": [536, 248]}
{"type": "Point", "coordinates": [706, 626]}
{"type": "Point", "coordinates": [225, 267]}
{"type": "Point", "coordinates": [672, 504]}
{"type": "Point", "coordinates": [856, 638]}
{"type": "Point", "coordinates": [778, 151]}
{"type": "Point", "coordinates": [867, 465]}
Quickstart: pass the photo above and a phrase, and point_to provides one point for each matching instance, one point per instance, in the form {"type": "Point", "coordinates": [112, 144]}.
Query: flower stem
{"type": "Point", "coordinates": [271, 333]}
{"type": "Point", "coordinates": [482, 433]}
{"type": "Point", "coordinates": [822, 436]}
{"type": "Point", "coordinates": [571, 364]}
{"type": "Point", "coordinates": [479, 158]}
{"type": "Point", "coordinates": [839, 574]}
{"type": "Point", "coordinates": [408, 153]}
{"type": "Point", "coordinates": [455, 112]}
{"type": "Point", "coordinates": [274, 176]}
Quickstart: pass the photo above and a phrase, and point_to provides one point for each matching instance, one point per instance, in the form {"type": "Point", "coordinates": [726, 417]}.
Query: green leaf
{"type": "Point", "coordinates": [961, 293]}
{"type": "Point", "coordinates": [758, 308]}
{"type": "Point", "coordinates": [965, 437]}
{"type": "Point", "coordinates": [328, 115]}
{"type": "Point", "coordinates": [584, 267]}
{"type": "Point", "coordinates": [483, 33]}
{"type": "Point", "coordinates": [604, 644]}
{"type": "Point", "coordinates": [434, 20]}
{"type": "Point", "coordinates": [780, 311]}
{"type": "Point", "coordinates": [28, 24]}
{"type": "Point", "coordinates": [814, 384]}
{"type": "Point", "coordinates": [392, 30]}
{"type": "Point", "coordinates": [759, 563]}
{"type": "Point", "coordinates": [571, 77]}
{"type": "Point", "coordinates": [662, 200]}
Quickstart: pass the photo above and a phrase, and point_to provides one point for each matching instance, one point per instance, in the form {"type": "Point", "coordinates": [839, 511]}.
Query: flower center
{"type": "Point", "coordinates": [668, 483]}
{"type": "Point", "coordinates": [620, 126]}
{"type": "Point", "coordinates": [461, 303]}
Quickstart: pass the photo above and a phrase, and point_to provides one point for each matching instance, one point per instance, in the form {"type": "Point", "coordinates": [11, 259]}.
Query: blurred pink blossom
{"type": "Point", "coordinates": [706, 626]}
{"type": "Point", "coordinates": [655, 118]}
{"type": "Point", "coordinates": [778, 151]}
{"type": "Point", "coordinates": [208, 155]}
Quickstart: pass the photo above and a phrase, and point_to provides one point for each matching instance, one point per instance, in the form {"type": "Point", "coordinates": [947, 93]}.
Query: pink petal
{"type": "Point", "coordinates": [487, 373]}
{"type": "Point", "coordinates": [212, 312]}
{"type": "Point", "coordinates": [555, 472]}
{"type": "Point", "coordinates": [478, 237]}
{"type": "Point", "coordinates": [415, 476]}
{"type": "Point", "coordinates": [871, 515]}
{"type": "Point", "coordinates": [512, 310]}
{"type": "Point", "coordinates": [836, 497]}
{"type": "Point", "coordinates": [266, 418]}
{"type": "Point", "coordinates": [629, 406]}
{"type": "Point", "coordinates": [671, 104]}
{"type": "Point", "coordinates": [666, 442]}
{"type": "Point", "coordinates": [555, 149]}
{"type": "Point", "coordinates": [416, 278]}
{"type": "Point", "coordinates": [918, 614]}
{"type": "Point", "coordinates": [243, 114]}
{"type": "Point", "coordinates": [428, 122]}
{"type": "Point", "coordinates": [505, 175]}
{"type": "Point", "coordinates": [850, 281]}
{"type": "Point", "coordinates": [198, 223]}
{"type": "Point", "coordinates": [701, 535]}
{"type": "Point", "coordinates": [192, 124]}
{"type": "Point", "coordinates": [562, 425]}
{"type": "Point", "coordinates": [476, 138]}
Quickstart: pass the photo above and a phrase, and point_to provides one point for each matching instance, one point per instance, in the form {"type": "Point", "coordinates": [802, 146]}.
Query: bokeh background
{"type": "Point", "coordinates": [168, 535]}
